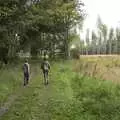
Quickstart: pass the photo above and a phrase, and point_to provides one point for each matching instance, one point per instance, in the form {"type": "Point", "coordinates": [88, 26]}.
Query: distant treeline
{"type": "Point", "coordinates": [103, 40]}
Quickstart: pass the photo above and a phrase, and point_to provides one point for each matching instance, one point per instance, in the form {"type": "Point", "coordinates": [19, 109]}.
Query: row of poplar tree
{"type": "Point", "coordinates": [35, 25]}
{"type": "Point", "coordinates": [103, 40]}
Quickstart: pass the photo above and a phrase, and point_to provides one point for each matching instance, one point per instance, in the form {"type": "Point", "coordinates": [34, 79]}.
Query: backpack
{"type": "Point", "coordinates": [45, 66]}
{"type": "Point", "coordinates": [25, 68]}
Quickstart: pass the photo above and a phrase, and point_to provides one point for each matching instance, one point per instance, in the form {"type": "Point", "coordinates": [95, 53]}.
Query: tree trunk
{"type": "Point", "coordinates": [66, 43]}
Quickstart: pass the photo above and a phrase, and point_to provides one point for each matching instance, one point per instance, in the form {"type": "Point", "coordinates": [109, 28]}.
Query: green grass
{"type": "Point", "coordinates": [69, 96]}
{"type": "Point", "coordinates": [10, 81]}
{"type": "Point", "coordinates": [97, 99]}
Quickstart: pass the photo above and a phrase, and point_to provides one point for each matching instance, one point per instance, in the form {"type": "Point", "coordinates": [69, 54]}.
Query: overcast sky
{"type": "Point", "coordinates": [109, 11]}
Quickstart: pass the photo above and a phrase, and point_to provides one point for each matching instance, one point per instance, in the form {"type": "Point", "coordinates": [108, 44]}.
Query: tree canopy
{"type": "Point", "coordinates": [39, 24]}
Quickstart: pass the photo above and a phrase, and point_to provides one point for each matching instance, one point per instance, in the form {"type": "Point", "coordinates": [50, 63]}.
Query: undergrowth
{"type": "Point", "coordinates": [69, 96]}
{"type": "Point", "coordinates": [10, 81]}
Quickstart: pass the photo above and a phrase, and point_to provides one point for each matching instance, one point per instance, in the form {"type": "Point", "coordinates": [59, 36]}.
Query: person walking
{"type": "Point", "coordinates": [26, 69]}
{"type": "Point", "coordinates": [45, 66]}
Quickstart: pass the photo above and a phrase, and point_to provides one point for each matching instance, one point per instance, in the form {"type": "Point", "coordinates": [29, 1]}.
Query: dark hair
{"type": "Point", "coordinates": [26, 60]}
{"type": "Point", "coordinates": [45, 53]}
{"type": "Point", "coordinates": [45, 58]}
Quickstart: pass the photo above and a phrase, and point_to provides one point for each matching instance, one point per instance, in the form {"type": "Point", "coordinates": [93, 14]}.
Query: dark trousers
{"type": "Point", "coordinates": [26, 78]}
{"type": "Point", "coordinates": [45, 73]}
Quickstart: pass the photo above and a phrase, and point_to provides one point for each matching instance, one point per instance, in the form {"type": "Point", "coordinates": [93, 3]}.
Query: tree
{"type": "Point", "coordinates": [41, 24]}
{"type": "Point", "coordinates": [56, 16]}
{"type": "Point", "coordinates": [87, 41]}
{"type": "Point", "coordinates": [118, 40]}
{"type": "Point", "coordinates": [102, 28]}
{"type": "Point", "coordinates": [11, 12]}
{"type": "Point", "coordinates": [99, 44]}
{"type": "Point", "coordinates": [110, 40]}
{"type": "Point", "coordinates": [94, 43]}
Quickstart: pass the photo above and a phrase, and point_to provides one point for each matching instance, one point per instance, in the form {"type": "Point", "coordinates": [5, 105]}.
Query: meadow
{"type": "Point", "coordinates": [74, 93]}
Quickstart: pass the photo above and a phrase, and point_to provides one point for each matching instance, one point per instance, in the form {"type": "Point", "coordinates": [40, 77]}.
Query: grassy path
{"type": "Point", "coordinates": [69, 96]}
{"type": "Point", "coordinates": [39, 102]}
{"type": "Point", "coordinates": [5, 106]}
